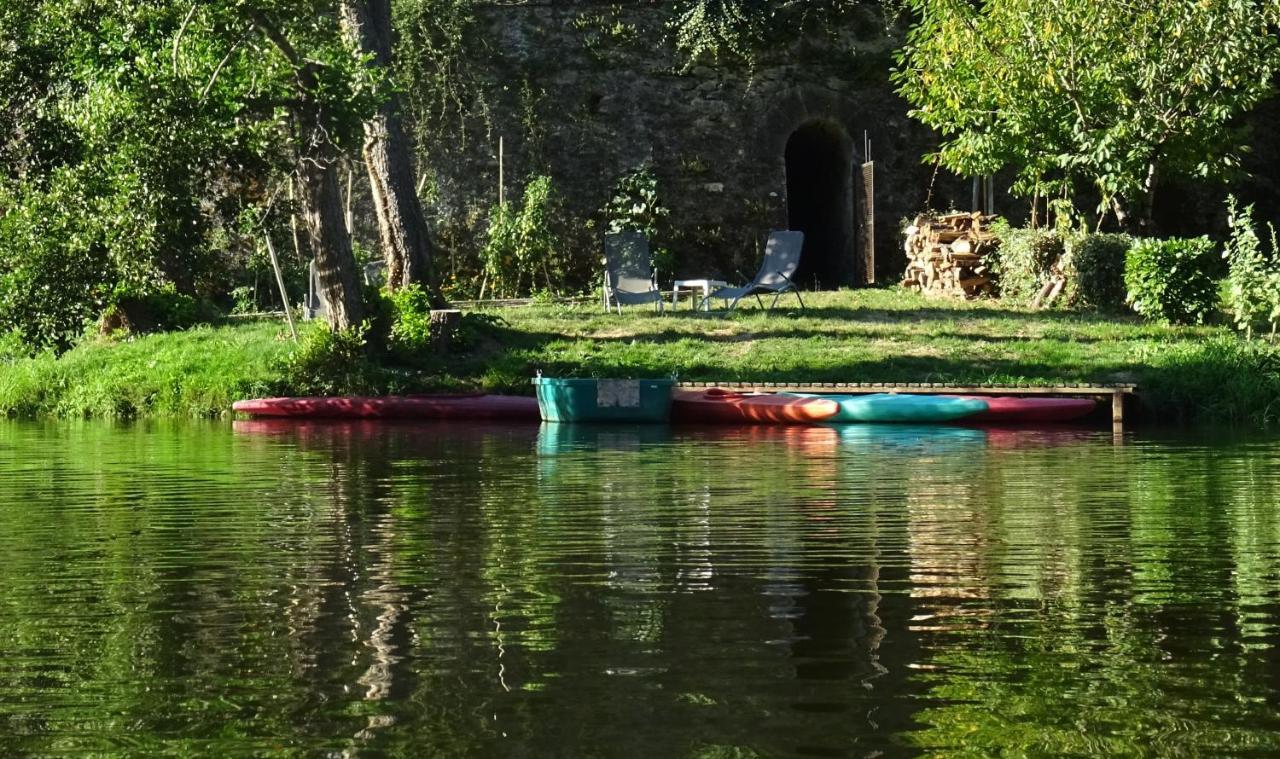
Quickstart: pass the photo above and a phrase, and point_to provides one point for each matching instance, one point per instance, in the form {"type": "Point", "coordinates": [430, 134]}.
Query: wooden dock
{"type": "Point", "coordinates": [1117, 392]}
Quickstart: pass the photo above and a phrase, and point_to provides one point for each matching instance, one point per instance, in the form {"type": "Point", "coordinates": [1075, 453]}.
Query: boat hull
{"type": "Point", "coordinates": [904, 408]}
{"type": "Point", "coordinates": [726, 407]}
{"type": "Point", "coordinates": [491, 407]}
{"type": "Point", "coordinates": [1013, 410]}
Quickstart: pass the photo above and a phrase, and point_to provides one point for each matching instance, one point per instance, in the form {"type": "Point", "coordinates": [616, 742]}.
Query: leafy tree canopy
{"type": "Point", "coordinates": [154, 131]}
{"type": "Point", "coordinates": [1079, 93]}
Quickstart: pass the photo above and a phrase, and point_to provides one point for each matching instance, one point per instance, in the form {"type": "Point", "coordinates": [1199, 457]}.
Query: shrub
{"type": "Point", "coordinates": [1172, 280]}
{"type": "Point", "coordinates": [1253, 277]}
{"type": "Point", "coordinates": [637, 205]}
{"type": "Point", "coordinates": [522, 245]}
{"type": "Point", "coordinates": [1097, 271]}
{"type": "Point", "coordinates": [12, 346]}
{"type": "Point", "coordinates": [1025, 260]}
{"type": "Point", "coordinates": [410, 321]}
{"type": "Point", "coordinates": [1222, 379]}
{"type": "Point", "coordinates": [56, 273]}
{"type": "Point", "coordinates": [331, 363]}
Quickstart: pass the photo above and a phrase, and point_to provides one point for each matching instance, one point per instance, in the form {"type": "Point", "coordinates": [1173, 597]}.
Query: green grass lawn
{"type": "Point", "coordinates": [855, 336]}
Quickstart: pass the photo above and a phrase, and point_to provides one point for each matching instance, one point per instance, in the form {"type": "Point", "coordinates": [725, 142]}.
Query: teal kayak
{"type": "Point", "coordinates": [901, 407]}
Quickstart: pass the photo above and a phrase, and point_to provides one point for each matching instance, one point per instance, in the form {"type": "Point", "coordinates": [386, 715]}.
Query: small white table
{"type": "Point", "coordinates": [692, 285]}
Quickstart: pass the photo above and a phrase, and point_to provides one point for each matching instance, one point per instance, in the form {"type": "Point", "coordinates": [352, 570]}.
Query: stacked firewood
{"type": "Point", "coordinates": [946, 255]}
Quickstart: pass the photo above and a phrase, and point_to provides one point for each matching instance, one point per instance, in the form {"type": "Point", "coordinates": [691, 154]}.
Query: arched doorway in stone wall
{"type": "Point", "coordinates": [819, 159]}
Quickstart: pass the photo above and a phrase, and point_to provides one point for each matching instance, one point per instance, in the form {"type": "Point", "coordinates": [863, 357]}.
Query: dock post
{"type": "Point", "coordinates": [1117, 407]}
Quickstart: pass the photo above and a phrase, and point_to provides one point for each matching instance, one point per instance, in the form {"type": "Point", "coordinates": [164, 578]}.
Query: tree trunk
{"type": "Point", "coordinates": [406, 245]}
{"type": "Point", "coordinates": [321, 196]}
{"type": "Point", "coordinates": [1121, 210]}
{"type": "Point", "coordinates": [319, 190]}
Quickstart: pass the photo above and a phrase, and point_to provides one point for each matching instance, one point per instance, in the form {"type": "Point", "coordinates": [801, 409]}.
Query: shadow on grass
{"type": "Point", "coordinates": [1188, 378]}
{"type": "Point", "coordinates": [505, 358]}
{"type": "Point", "coordinates": [926, 314]}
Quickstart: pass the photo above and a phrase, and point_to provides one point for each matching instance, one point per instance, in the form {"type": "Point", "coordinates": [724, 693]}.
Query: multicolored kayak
{"type": "Point", "coordinates": [1014, 410]}
{"type": "Point", "coordinates": [506, 407]}
{"type": "Point", "coordinates": [717, 406]}
{"type": "Point", "coordinates": [902, 407]}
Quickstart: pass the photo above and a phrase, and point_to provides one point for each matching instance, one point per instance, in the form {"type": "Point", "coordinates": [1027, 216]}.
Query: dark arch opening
{"type": "Point", "coordinates": [819, 159]}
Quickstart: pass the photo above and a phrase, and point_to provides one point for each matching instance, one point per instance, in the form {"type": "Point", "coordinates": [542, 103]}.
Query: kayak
{"type": "Point", "coordinates": [902, 407]}
{"type": "Point", "coordinates": [1012, 410]}
{"type": "Point", "coordinates": [716, 406]}
{"type": "Point", "coordinates": [395, 407]}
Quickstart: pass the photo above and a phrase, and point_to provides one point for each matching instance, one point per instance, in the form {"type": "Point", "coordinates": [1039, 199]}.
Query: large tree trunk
{"type": "Point", "coordinates": [406, 245]}
{"type": "Point", "coordinates": [321, 196]}
{"type": "Point", "coordinates": [319, 191]}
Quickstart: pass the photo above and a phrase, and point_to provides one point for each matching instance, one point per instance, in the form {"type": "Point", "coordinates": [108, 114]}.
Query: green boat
{"type": "Point", "coordinates": [602, 400]}
{"type": "Point", "coordinates": [902, 407]}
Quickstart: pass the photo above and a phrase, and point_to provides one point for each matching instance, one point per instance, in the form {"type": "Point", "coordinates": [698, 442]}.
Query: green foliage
{"type": "Point", "coordinates": [439, 43]}
{"type": "Point", "coordinates": [1025, 261]}
{"type": "Point", "coordinates": [243, 300]}
{"type": "Point", "coordinates": [747, 31]}
{"type": "Point", "coordinates": [331, 362]}
{"type": "Point", "coordinates": [144, 130]}
{"type": "Point", "coordinates": [1253, 276]}
{"type": "Point", "coordinates": [1172, 280]}
{"type": "Point", "coordinates": [411, 321]}
{"type": "Point", "coordinates": [1081, 93]}
{"type": "Point", "coordinates": [160, 308]}
{"type": "Point", "coordinates": [522, 245]}
{"type": "Point", "coordinates": [1097, 270]}
{"type": "Point", "coordinates": [56, 271]}
{"type": "Point", "coordinates": [12, 346]}
{"type": "Point", "coordinates": [637, 205]}
{"type": "Point", "coordinates": [1221, 379]}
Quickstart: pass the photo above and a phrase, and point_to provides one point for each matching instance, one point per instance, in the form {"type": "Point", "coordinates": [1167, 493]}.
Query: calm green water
{"type": "Point", "coordinates": [577, 591]}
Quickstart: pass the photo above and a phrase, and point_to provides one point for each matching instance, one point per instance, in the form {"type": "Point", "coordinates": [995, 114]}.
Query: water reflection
{"type": "Point", "coordinates": [581, 590]}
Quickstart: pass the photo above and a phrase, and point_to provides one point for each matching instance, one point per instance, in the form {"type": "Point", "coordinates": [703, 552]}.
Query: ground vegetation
{"type": "Point", "coordinates": [1192, 373]}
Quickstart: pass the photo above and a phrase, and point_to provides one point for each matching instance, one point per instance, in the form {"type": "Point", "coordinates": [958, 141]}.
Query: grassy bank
{"type": "Point", "coordinates": [871, 335]}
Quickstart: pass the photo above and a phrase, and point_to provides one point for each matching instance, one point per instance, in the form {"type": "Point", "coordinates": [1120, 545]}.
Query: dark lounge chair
{"type": "Point", "coordinates": [776, 275]}
{"type": "Point", "coordinates": [629, 278]}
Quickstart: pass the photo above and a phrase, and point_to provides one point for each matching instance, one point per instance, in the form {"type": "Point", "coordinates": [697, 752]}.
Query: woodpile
{"type": "Point", "coordinates": [946, 255]}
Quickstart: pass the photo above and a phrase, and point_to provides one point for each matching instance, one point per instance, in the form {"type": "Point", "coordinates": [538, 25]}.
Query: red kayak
{"type": "Point", "coordinates": [1015, 410]}
{"type": "Point", "coordinates": [396, 407]}
{"type": "Point", "coordinates": [716, 406]}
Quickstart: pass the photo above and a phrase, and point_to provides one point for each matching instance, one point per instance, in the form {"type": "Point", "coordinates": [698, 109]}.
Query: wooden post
{"type": "Point", "coordinates": [502, 190]}
{"type": "Point", "coordinates": [284, 294]}
{"type": "Point", "coordinates": [866, 202]}
{"type": "Point", "coordinates": [1117, 407]}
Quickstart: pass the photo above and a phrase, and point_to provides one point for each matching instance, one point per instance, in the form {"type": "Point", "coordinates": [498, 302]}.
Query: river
{"type": "Point", "coordinates": [242, 588]}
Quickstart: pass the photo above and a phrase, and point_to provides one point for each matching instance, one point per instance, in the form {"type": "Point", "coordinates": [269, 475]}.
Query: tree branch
{"type": "Point", "coordinates": [182, 29]}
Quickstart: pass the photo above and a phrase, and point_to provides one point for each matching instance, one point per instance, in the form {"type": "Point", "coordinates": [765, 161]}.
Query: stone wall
{"type": "Point", "coordinates": [586, 106]}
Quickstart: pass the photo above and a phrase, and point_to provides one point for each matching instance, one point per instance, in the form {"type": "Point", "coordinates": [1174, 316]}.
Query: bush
{"type": "Point", "coordinates": [1097, 271]}
{"type": "Point", "coordinates": [161, 309]}
{"type": "Point", "coordinates": [410, 322]}
{"type": "Point", "coordinates": [1222, 379]}
{"type": "Point", "coordinates": [331, 363]}
{"type": "Point", "coordinates": [55, 271]}
{"type": "Point", "coordinates": [636, 205]}
{"type": "Point", "coordinates": [1253, 277]}
{"type": "Point", "coordinates": [12, 346]}
{"type": "Point", "coordinates": [523, 246]}
{"type": "Point", "coordinates": [1025, 260]}
{"type": "Point", "coordinates": [1172, 280]}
